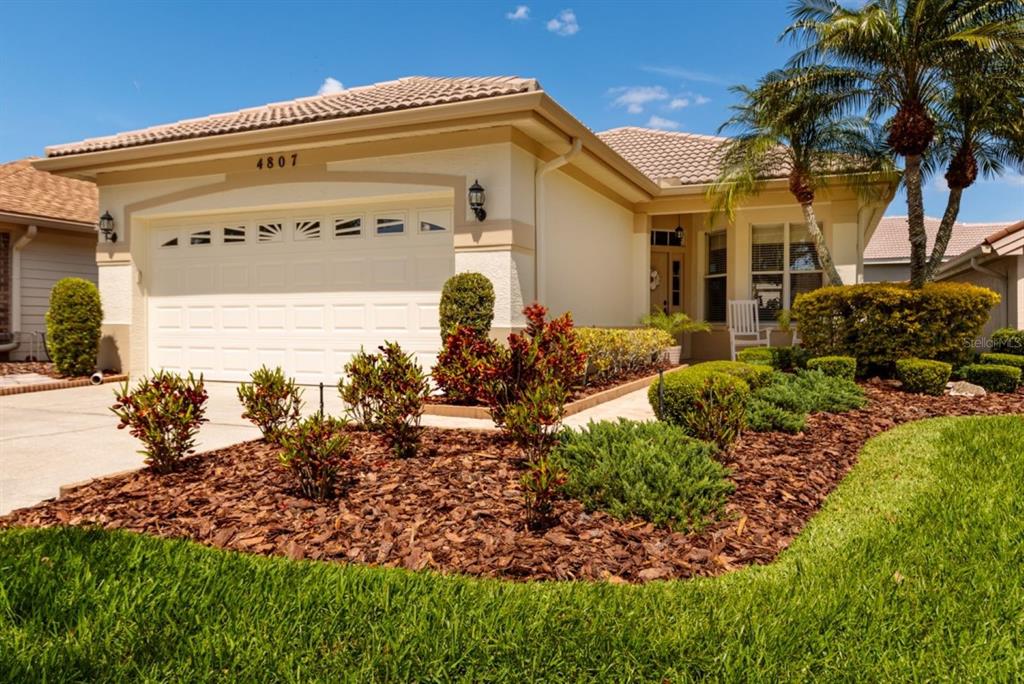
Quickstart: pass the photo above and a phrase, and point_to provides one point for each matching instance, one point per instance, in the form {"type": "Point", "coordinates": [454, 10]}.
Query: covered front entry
{"type": "Point", "coordinates": [303, 289]}
{"type": "Point", "coordinates": [667, 271]}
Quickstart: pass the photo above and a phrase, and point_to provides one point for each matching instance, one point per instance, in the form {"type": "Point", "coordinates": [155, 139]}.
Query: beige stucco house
{"type": "Point", "coordinates": [296, 232]}
{"type": "Point", "coordinates": [47, 232]}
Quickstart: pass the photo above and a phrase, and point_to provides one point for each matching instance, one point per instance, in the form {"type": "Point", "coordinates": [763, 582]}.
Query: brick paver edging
{"type": "Point", "coordinates": [583, 404]}
{"type": "Point", "coordinates": [57, 384]}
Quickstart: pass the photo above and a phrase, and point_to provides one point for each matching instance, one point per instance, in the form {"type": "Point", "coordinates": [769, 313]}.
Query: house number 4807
{"type": "Point", "coordinates": [277, 162]}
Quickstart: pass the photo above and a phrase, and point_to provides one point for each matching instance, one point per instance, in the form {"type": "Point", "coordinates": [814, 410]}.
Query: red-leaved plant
{"type": "Point", "coordinates": [164, 412]}
{"type": "Point", "coordinates": [541, 483]}
{"type": "Point", "coordinates": [313, 451]}
{"type": "Point", "coordinates": [271, 401]}
{"type": "Point", "coordinates": [462, 365]}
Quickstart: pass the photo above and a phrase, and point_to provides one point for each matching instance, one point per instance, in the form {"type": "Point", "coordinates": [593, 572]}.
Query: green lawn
{"type": "Point", "coordinates": [914, 571]}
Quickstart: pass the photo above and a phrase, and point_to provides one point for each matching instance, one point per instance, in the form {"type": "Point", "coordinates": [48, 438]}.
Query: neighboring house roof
{"type": "Point", "coordinates": [24, 190]}
{"type": "Point", "coordinates": [686, 158]}
{"type": "Point", "coordinates": [890, 242]}
{"type": "Point", "coordinates": [404, 93]}
{"type": "Point", "coordinates": [1005, 241]}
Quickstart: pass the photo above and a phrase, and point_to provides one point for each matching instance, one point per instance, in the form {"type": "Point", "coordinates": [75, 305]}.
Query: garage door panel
{"type": "Point", "coordinates": [286, 298]}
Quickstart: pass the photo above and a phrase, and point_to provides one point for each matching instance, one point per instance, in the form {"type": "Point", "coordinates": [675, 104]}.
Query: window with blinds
{"type": "Point", "coordinates": [715, 275]}
{"type": "Point", "coordinates": [783, 264]}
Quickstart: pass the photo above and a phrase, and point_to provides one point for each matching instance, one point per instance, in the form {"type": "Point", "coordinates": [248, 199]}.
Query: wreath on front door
{"type": "Point", "coordinates": [655, 280]}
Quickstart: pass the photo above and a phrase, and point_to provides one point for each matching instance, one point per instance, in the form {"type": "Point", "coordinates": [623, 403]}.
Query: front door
{"type": "Point", "coordinates": [667, 280]}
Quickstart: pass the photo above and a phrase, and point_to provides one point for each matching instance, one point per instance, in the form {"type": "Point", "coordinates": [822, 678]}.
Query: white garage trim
{"type": "Point", "coordinates": [301, 288]}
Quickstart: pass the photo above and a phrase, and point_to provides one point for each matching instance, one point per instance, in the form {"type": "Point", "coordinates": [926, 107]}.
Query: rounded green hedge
{"type": "Point", "coordinates": [754, 375]}
{"type": "Point", "coordinates": [837, 366]}
{"type": "Point", "coordinates": [923, 376]}
{"type": "Point", "coordinates": [467, 299]}
{"type": "Point", "coordinates": [73, 326]}
{"type": "Point", "coordinates": [779, 358]}
{"type": "Point", "coordinates": [708, 405]}
{"type": "Point", "coordinates": [878, 323]}
{"type": "Point", "coordinates": [992, 376]}
{"type": "Point", "coordinates": [1008, 341]}
{"type": "Point", "coordinates": [1015, 360]}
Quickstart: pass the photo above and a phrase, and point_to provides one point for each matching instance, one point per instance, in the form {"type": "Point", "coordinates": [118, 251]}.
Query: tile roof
{"type": "Point", "coordinates": [404, 93]}
{"type": "Point", "coordinates": [679, 158]}
{"type": "Point", "coordinates": [26, 190]}
{"type": "Point", "coordinates": [891, 241]}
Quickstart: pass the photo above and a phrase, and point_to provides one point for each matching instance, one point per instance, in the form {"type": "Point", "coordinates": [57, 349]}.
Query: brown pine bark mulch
{"type": "Point", "coordinates": [19, 367]}
{"type": "Point", "coordinates": [458, 507]}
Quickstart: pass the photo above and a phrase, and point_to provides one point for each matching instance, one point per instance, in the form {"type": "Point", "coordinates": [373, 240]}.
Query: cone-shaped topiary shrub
{"type": "Point", "coordinates": [73, 326]}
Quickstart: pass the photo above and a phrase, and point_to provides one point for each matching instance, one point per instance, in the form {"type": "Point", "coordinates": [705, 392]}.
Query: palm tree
{"type": "Point", "coordinates": [904, 50]}
{"type": "Point", "coordinates": [788, 124]}
{"type": "Point", "coordinates": [980, 128]}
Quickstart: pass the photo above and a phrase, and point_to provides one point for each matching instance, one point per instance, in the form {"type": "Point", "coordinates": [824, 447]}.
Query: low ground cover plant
{"type": "Point", "coordinates": [837, 366]}
{"type": "Point", "coordinates": [652, 471]}
{"type": "Point", "coordinates": [73, 326]}
{"type": "Point", "coordinates": [784, 403]}
{"type": "Point", "coordinates": [708, 405]}
{"type": "Point", "coordinates": [467, 300]}
{"type": "Point", "coordinates": [923, 376]}
{"type": "Point", "coordinates": [272, 401]}
{"type": "Point", "coordinates": [1007, 341]}
{"type": "Point", "coordinates": [879, 323]}
{"type": "Point", "coordinates": [164, 412]}
{"type": "Point", "coordinates": [992, 376]}
{"type": "Point", "coordinates": [1015, 360]}
{"type": "Point", "coordinates": [313, 451]}
{"type": "Point", "coordinates": [613, 353]}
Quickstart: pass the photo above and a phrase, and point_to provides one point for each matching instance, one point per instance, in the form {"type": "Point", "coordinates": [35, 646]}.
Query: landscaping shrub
{"type": "Point", "coordinates": [779, 358]}
{"type": "Point", "coordinates": [784, 403]}
{"type": "Point", "coordinates": [164, 412]}
{"type": "Point", "coordinates": [652, 471]}
{"type": "Point", "coordinates": [612, 353]}
{"type": "Point", "coordinates": [764, 416]}
{"type": "Point", "coordinates": [1007, 341]}
{"type": "Point", "coordinates": [362, 390]}
{"type": "Point", "coordinates": [461, 368]}
{"type": "Point", "coordinates": [271, 401]}
{"type": "Point", "coordinates": [1015, 360]}
{"type": "Point", "coordinates": [992, 376]}
{"type": "Point", "coordinates": [405, 388]}
{"type": "Point", "coordinates": [674, 323]}
{"type": "Point", "coordinates": [467, 299]}
{"type": "Point", "coordinates": [708, 405]}
{"type": "Point", "coordinates": [878, 323]}
{"type": "Point", "coordinates": [313, 451]}
{"type": "Point", "coordinates": [922, 376]}
{"type": "Point", "coordinates": [73, 326]}
{"type": "Point", "coordinates": [541, 483]}
{"type": "Point", "coordinates": [754, 375]}
{"type": "Point", "coordinates": [836, 366]}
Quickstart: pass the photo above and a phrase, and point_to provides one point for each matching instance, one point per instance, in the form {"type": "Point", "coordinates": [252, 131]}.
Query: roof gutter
{"type": "Point", "coordinates": [540, 212]}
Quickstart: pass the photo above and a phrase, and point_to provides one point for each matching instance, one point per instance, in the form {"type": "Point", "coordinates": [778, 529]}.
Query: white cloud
{"type": "Point", "coordinates": [634, 98]}
{"type": "Point", "coordinates": [1014, 179]}
{"type": "Point", "coordinates": [521, 12]}
{"type": "Point", "coordinates": [662, 123]}
{"type": "Point", "coordinates": [330, 86]}
{"type": "Point", "coordinates": [684, 74]}
{"type": "Point", "coordinates": [679, 103]}
{"type": "Point", "coordinates": [564, 24]}
{"type": "Point", "coordinates": [701, 100]}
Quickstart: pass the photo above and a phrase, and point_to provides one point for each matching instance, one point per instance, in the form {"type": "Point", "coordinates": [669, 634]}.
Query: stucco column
{"type": "Point", "coordinates": [641, 260]}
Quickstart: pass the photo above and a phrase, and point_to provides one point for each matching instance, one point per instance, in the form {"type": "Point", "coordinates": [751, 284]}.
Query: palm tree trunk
{"type": "Point", "coordinates": [945, 232]}
{"type": "Point", "coordinates": [824, 255]}
{"type": "Point", "coordinates": [915, 221]}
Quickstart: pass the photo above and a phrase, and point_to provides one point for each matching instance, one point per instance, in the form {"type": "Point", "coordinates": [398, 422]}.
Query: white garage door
{"type": "Point", "coordinates": [299, 289]}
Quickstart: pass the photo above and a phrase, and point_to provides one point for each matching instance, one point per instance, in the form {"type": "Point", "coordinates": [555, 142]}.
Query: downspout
{"type": "Point", "coordinates": [539, 207]}
{"type": "Point", "coordinates": [19, 245]}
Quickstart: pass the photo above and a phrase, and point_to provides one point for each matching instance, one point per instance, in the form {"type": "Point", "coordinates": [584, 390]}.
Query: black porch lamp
{"type": "Point", "coordinates": [476, 200]}
{"type": "Point", "coordinates": [679, 229]}
{"type": "Point", "coordinates": [107, 227]}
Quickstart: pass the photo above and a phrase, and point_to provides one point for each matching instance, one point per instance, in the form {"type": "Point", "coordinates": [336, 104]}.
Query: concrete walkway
{"type": "Point", "coordinates": [48, 439]}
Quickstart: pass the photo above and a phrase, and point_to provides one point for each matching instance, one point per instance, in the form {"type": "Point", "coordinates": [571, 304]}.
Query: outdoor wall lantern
{"type": "Point", "coordinates": [476, 200]}
{"type": "Point", "coordinates": [107, 227]}
{"type": "Point", "coordinates": [679, 229]}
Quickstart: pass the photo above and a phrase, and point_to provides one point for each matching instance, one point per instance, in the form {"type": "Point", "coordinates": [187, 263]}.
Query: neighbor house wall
{"type": "Point", "coordinates": [1009, 285]}
{"type": "Point", "coordinates": [892, 273]}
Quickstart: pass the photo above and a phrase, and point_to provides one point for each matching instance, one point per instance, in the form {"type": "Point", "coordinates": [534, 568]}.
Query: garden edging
{"type": "Point", "coordinates": [58, 384]}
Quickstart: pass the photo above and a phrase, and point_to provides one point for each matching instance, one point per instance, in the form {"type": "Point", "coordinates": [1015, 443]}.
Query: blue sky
{"type": "Point", "coordinates": [75, 70]}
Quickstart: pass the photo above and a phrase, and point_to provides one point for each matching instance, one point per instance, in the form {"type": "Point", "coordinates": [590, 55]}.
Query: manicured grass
{"type": "Point", "coordinates": [911, 572]}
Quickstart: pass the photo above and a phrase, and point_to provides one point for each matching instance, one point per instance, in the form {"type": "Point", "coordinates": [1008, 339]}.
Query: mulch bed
{"type": "Point", "coordinates": [458, 507]}
{"type": "Point", "coordinates": [40, 367]}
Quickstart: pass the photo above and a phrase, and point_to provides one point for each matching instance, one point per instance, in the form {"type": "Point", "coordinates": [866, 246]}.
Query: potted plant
{"type": "Point", "coordinates": [675, 324]}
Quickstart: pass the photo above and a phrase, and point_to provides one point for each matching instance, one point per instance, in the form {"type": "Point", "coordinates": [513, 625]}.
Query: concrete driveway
{"type": "Point", "coordinates": [49, 439]}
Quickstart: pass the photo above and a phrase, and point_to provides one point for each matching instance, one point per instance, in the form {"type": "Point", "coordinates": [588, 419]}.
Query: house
{"type": "Point", "coordinates": [996, 262]}
{"type": "Point", "coordinates": [294, 233]}
{"type": "Point", "coordinates": [47, 232]}
{"type": "Point", "coordinates": [887, 255]}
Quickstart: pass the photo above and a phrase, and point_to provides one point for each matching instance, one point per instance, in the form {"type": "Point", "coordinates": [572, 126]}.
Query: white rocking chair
{"type": "Point", "coordinates": [745, 327]}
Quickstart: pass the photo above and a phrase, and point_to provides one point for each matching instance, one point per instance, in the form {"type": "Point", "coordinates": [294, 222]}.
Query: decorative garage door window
{"type": "Point", "coordinates": [167, 241]}
{"type": "Point", "coordinates": [234, 235]}
{"type": "Point", "coordinates": [271, 232]}
{"type": "Point", "coordinates": [199, 237]}
{"type": "Point", "coordinates": [390, 224]}
{"type": "Point", "coordinates": [348, 226]}
{"type": "Point", "coordinates": [307, 230]}
{"type": "Point", "coordinates": [435, 220]}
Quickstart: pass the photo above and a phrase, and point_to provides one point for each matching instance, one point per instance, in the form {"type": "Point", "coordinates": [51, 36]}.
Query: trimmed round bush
{"type": "Point", "coordinates": [758, 356]}
{"type": "Point", "coordinates": [708, 405]}
{"type": "Point", "coordinates": [653, 471]}
{"type": "Point", "coordinates": [922, 376]}
{"type": "Point", "coordinates": [879, 323]}
{"type": "Point", "coordinates": [73, 326]}
{"type": "Point", "coordinates": [779, 358]}
{"type": "Point", "coordinates": [754, 375]}
{"type": "Point", "coordinates": [1008, 341]}
{"type": "Point", "coordinates": [836, 366]}
{"type": "Point", "coordinates": [992, 376]}
{"type": "Point", "coordinates": [1015, 360]}
{"type": "Point", "coordinates": [467, 299]}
